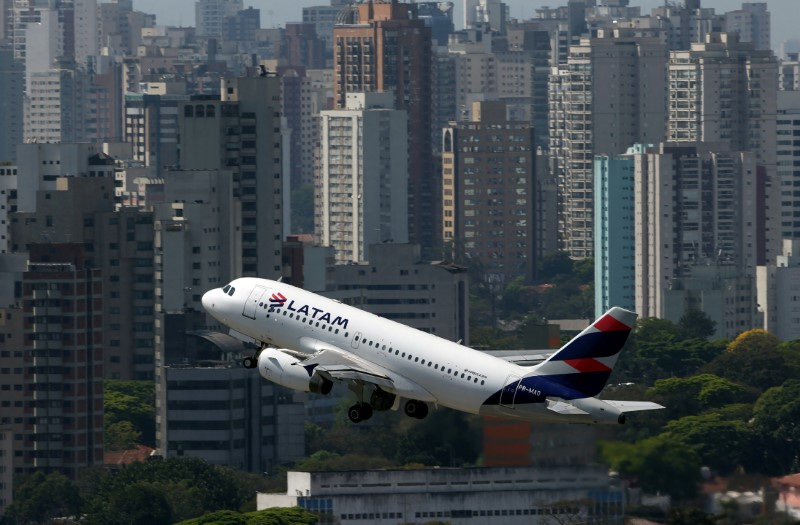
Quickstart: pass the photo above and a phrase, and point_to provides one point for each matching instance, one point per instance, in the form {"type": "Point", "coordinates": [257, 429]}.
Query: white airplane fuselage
{"type": "Point", "coordinates": [420, 365]}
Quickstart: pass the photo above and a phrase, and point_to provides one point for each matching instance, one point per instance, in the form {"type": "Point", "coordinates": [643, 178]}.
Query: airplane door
{"type": "Point", "coordinates": [356, 339]}
{"type": "Point", "coordinates": [252, 301]}
{"type": "Point", "coordinates": [509, 392]}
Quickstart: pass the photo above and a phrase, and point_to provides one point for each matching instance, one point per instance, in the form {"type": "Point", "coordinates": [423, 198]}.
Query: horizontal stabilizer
{"type": "Point", "coordinates": [633, 406]}
{"type": "Point", "coordinates": [560, 407]}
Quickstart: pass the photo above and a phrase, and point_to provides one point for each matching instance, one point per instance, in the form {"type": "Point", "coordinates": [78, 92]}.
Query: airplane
{"type": "Point", "coordinates": [309, 341]}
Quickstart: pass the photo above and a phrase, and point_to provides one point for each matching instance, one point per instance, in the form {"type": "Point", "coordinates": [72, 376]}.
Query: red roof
{"type": "Point", "coordinates": [791, 479]}
{"type": "Point", "coordinates": [125, 457]}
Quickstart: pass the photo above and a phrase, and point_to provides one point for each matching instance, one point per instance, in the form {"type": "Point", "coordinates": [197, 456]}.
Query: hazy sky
{"type": "Point", "coordinates": [277, 12]}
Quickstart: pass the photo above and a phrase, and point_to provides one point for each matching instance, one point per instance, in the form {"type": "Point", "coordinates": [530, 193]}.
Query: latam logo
{"type": "Point", "coordinates": [277, 300]}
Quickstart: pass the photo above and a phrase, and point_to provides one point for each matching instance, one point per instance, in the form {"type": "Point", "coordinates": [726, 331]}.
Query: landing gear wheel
{"type": "Point", "coordinates": [249, 362]}
{"type": "Point", "coordinates": [359, 412]}
{"type": "Point", "coordinates": [416, 409]}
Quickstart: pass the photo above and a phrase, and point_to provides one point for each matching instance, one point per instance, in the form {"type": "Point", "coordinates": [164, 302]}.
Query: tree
{"type": "Point", "coordinates": [302, 208]}
{"type": "Point", "coordinates": [776, 417]}
{"type": "Point", "coordinates": [138, 504]}
{"type": "Point", "coordinates": [721, 444]}
{"type": "Point", "coordinates": [41, 497]}
{"type": "Point", "coordinates": [121, 436]}
{"type": "Point", "coordinates": [696, 324]}
{"type": "Point", "coordinates": [190, 486]}
{"type": "Point", "coordinates": [658, 463]}
{"type": "Point", "coordinates": [132, 401]}
{"type": "Point", "coordinates": [755, 340]}
{"type": "Point", "coordinates": [692, 395]}
{"type": "Point", "coordinates": [762, 368]}
{"type": "Point", "coordinates": [273, 516]}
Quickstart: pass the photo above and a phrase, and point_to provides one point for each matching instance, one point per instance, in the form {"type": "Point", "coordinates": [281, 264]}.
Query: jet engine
{"type": "Point", "coordinates": [286, 370]}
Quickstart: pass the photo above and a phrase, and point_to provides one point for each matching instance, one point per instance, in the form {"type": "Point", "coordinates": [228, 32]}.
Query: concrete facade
{"type": "Point", "coordinates": [778, 293]}
{"type": "Point", "coordinates": [724, 91]}
{"type": "Point", "coordinates": [698, 223]}
{"type": "Point", "coordinates": [488, 193]}
{"type": "Point", "coordinates": [593, 112]}
{"type": "Point", "coordinates": [228, 416]}
{"type": "Point", "coordinates": [361, 196]}
{"type": "Point", "coordinates": [457, 496]}
{"type": "Point", "coordinates": [241, 133]}
{"type": "Point", "coordinates": [151, 125]}
{"type": "Point", "coordinates": [788, 160]}
{"type": "Point", "coordinates": [368, 52]}
{"type": "Point", "coordinates": [396, 283]}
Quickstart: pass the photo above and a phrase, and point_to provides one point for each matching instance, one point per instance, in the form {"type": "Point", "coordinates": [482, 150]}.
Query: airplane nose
{"type": "Point", "coordinates": [208, 300]}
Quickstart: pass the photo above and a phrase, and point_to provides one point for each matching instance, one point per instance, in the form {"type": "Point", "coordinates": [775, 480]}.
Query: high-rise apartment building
{"type": "Point", "coordinates": [8, 204]}
{"type": "Point", "coordinates": [324, 17]}
{"type": "Point", "coordinates": [210, 15]}
{"type": "Point", "coordinates": [698, 223]}
{"type": "Point", "coordinates": [488, 185]}
{"type": "Point", "coordinates": [751, 23]}
{"type": "Point", "coordinates": [241, 133]}
{"type": "Point", "coordinates": [788, 169]}
{"type": "Point", "coordinates": [57, 105]}
{"type": "Point", "coordinates": [120, 242]}
{"type": "Point", "coordinates": [608, 96]}
{"type": "Point", "coordinates": [12, 85]}
{"type": "Point", "coordinates": [151, 124]}
{"type": "Point", "coordinates": [361, 195]}
{"type": "Point", "coordinates": [724, 91]}
{"type": "Point", "coordinates": [614, 218]}
{"type": "Point", "coordinates": [385, 47]}
{"type": "Point", "coordinates": [62, 427]}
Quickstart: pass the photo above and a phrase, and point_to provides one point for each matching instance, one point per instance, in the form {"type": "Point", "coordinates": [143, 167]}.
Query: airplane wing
{"type": "Point", "coordinates": [560, 407]}
{"type": "Point", "coordinates": [633, 406]}
{"type": "Point", "coordinates": [344, 366]}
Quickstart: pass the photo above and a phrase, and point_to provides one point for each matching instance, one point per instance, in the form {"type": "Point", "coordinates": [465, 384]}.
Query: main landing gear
{"type": "Point", "coordinates": [359, 412]}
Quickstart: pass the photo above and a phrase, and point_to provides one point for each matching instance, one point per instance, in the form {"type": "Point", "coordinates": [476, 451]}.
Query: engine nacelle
{"type": "Point", "coordinates": [285, 370]}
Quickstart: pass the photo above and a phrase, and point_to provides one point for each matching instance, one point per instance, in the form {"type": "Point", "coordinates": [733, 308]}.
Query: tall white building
{"type": "Point", "coordinates": [361, 194]}
{"type": "Point", "coordinates": [778, 292]}
{"type": "Point", "coordinates": [57, 106]}
{"type": "Point", "coordinates": [609, 96]}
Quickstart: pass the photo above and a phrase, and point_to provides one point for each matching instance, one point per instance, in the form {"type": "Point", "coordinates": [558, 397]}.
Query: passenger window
{"type": "Point", "coordinates": [356, 338]}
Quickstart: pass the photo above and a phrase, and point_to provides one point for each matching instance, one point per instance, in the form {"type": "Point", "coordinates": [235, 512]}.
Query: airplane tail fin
{"type": "Point", "coordinates": [582, 367]}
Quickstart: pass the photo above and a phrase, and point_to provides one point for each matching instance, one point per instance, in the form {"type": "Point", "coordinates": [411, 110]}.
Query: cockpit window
{"type": "Point", "coordinates": [226, 288]}
{"type": "Point", "coordinates": [232, 291]}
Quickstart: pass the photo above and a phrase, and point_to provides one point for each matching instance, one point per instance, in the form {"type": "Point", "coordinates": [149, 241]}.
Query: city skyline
{"type": "Point", "coordinates": [276, 14]}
